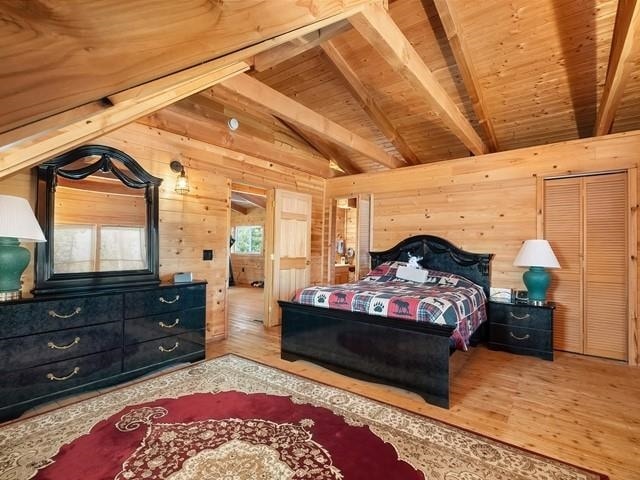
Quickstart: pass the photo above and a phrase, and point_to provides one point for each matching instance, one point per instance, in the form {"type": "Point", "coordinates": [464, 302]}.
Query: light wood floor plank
{"type": "Point", "coordinates": [577, 409]}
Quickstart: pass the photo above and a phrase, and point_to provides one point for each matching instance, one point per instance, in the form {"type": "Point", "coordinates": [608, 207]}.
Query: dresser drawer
{"type": "Point", "coordinates": [36, 317]}
{"type": "Point", "coordinates": [521, 315]}
{"type": "Point", "coordinates": [50, 347]}
{"type": "Point", "coordinates": [138, 330]}
{"type": "Point", "coordinates": [163, 300]}
{"type": "Point", "coordinates": [31, 383]}
{"type": "Point", "coordinates": [154, 352]}
{"type": "Point", "coordinates": [520, 337]}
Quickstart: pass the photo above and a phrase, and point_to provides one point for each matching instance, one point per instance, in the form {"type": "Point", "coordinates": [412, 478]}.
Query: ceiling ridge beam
{"type": "Point", "coordinates": [376, 25]}
{"type": "Point", "coordinates": [453, 29]}
{"type": "Point", "coordinates": [325, 149]}
{"type": "Point", "coordinates": [625, 49]}
{"type": "Point", "coordinates": [122, 109]}
{"type": "Point", "coordinates": [265, 60]}
{"type": "Point", "coordinates": [362, 93]}
{"type": "Point", "coordinates": [307, 119]}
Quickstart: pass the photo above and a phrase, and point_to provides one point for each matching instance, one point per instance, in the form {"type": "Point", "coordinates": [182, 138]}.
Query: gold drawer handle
{"type": "Point", "coordinates": [53, 313]}
{"type": "Point", "coordinates": [164, 325]}
{"type": "Point", "coordinates": [164, 300]}
{"type": "Point", "coordinates": [51, 376]}
{"type": "Point", "coordinates": [167, 350]}
{"type": "Point", "coordinates": [513, 335]}
{"type": "Point", "coordinates": [63, 347]}
{"type": "Point", "coordinates": [524, 317]}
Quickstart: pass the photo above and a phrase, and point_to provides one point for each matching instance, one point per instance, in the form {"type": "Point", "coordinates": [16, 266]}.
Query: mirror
{"type": "Point", "coordinates": [99, 211]}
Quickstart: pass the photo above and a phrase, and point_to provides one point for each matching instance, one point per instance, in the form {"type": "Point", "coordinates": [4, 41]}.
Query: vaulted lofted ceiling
{"type": "Point", "coordinates": [335, 88]}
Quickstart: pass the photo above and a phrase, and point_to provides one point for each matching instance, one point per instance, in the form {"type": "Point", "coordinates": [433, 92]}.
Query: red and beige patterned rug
{"type": "Point", "coordinates": [233, 419]}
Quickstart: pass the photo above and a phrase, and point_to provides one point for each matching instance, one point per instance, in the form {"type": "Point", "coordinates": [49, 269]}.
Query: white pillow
{"type": "Point", "coordinates": [413, 274]}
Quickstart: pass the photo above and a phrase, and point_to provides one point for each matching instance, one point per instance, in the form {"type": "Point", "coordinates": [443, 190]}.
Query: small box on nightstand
{"type": "Point", "coordinates": [182, 277]}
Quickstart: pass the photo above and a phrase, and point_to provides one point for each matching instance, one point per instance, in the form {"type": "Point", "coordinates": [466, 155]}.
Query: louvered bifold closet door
{"type": "Point", "coordinates": [563, 229]}
{"type": "Point", "coordinates": [605, 247]}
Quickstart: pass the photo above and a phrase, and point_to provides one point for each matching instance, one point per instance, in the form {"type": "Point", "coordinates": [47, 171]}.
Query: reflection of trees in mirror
{"type": "Point", "coordinates": [249, 239]}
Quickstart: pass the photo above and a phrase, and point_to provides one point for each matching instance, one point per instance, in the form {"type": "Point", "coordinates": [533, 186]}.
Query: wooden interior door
{"type": "Point", "coordinates": [586, 223]}
{"type": "Point", "coordinates": [291, 250]}
{"type": "Point", "coordinates": [605, 266]}
{"type": "Point", "coordinates": [363, 260]}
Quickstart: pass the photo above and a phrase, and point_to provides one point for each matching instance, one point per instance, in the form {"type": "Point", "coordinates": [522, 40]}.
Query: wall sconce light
{"type": "Point", "coordinates": [182, 182]}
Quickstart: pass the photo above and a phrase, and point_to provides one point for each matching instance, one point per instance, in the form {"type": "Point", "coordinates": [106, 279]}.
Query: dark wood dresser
{"type": "Point", "coordinates": [56, 346]}
{"type": "Point", "coordinates": [522, 328]}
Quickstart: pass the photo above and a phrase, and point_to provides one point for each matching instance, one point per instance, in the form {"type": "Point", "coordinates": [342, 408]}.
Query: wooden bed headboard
{"type": "Point", "coordinates": [440, 254]}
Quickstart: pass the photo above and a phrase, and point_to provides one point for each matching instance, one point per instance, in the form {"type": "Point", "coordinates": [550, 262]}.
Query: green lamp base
{"type": "Point", "coordinates": [537, 281]}
{"type": "Point", "coordinates": [13, 261]}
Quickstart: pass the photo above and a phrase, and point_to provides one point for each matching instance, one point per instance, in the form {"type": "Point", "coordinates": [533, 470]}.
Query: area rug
{"type": "Point", "coordinates": [234, 419]}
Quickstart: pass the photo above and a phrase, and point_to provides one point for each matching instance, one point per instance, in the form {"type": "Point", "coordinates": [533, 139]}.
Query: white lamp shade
{"type": "Point", "coordinates": [536, 253]}
{"type": "Point", "coordinates": [18, 221]}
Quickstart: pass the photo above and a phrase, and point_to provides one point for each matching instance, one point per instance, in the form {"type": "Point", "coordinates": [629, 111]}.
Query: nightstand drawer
{"type": "Point", "coordinates": [530, 338]}
{"type": "Point", "coordinates": [525, 316]}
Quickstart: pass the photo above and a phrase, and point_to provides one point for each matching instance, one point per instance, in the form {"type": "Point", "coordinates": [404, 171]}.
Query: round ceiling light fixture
{"type": "Point", "coordinates": [233, 123]}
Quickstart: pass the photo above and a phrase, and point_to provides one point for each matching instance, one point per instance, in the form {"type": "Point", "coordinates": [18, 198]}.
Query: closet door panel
{"type": "Point", "coordinates": [605, 247]}
{"type": "Point", "coordinates": [563, 229]}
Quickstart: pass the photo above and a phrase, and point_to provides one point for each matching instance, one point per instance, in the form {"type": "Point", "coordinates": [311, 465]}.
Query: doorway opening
{"type": "Point", "coordinates": [247, 257]}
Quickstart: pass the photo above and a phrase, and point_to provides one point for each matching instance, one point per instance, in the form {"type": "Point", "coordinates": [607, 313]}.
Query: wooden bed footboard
{"type": "Point", "coordinates": [410, 355]}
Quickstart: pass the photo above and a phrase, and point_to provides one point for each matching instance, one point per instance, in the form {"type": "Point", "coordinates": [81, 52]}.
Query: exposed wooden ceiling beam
{"type": "Point", "coordinates": [375, 24]}
{"type": "Point", "coordinates": [453, 29]}
{"type": "Point", "coordinates": [35, 143]}
{"type": "Point", "coordinates": [625, 50]}
{"type": "Point", "coordinates": [257, 200]}
{"type": "Point", "coordinates": [248, 189]}
{"type": "Point", "coordinates": [277, 55]}
{"type": "Point", "coordinates": [325, 149]}
{"type": "Point", "coordinates": [239, 209]}
{"type": "Point", "coordinates": [63, 59]}
{"type": "Point", "coordinates": [364, 97]}
{"type": "Point", "coordinates": [307, 119]}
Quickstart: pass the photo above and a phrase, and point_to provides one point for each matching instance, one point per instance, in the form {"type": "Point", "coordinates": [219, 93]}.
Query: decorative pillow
{"type": "Point", "coordinates": [385, 272]}
{"type": "Point", "coordinates": [419, 275]}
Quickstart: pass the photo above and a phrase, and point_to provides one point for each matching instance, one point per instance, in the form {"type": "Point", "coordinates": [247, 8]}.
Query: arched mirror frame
{"type": "Point", "coordinates": [49, 282]}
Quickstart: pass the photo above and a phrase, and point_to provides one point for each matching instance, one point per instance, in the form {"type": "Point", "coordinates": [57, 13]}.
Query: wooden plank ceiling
{"type": "Point", "coordinates": [340, 88]}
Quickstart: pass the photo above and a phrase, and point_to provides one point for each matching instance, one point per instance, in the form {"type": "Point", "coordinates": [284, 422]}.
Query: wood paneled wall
{"type": "Point", "coordinates": [248, 268]}
{"type": "Point", "coordinates": [486, 203]}
{"type": "Point", "coordinates": [199, 220]}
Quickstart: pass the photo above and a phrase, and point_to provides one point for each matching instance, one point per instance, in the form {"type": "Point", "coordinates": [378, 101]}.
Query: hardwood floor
{"type": "Point", "coordinates": [581, 410]}
{"type": "Point", "coordinates": [577, 409]}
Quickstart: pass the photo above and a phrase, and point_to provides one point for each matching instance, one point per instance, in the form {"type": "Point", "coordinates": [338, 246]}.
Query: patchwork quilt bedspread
{"type": "Point", "coordinates": [444, 299]}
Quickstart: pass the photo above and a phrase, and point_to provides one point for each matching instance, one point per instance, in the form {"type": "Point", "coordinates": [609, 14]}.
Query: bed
{"type": "Point", "coordinates": [413, 355]}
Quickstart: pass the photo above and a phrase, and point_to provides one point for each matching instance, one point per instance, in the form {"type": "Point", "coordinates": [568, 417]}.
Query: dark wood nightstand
{"type": "Point", "coordinates": [522, 328]}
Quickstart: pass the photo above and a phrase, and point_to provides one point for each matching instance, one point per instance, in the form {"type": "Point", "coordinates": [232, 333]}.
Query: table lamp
{"type": "Point", "coordinates": [17, 224]}
{"type": "Point", "coordinates": [537, 255]}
